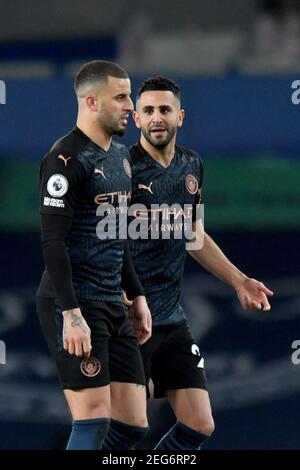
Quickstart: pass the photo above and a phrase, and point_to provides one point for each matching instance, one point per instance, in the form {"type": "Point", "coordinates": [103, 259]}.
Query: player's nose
{"type": "Point", "coordinates": [129, 105]}
{"type": "Point", "coordinates": [156, 117]}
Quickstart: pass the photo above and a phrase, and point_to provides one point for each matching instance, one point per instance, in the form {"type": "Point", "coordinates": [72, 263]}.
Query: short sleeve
{"type": "Point", "coordinates": [61, 179]}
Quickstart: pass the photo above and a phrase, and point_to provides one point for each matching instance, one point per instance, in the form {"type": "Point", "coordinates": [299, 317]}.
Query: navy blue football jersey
{"type": "Point", "coordinates": [77, 177]}
{"type": "Point", "coordinates": [170, 196]}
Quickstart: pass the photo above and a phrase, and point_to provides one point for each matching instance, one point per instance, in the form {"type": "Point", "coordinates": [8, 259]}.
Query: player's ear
{"type": "Point", "coordinates": [92, 103]}
{"type": "Point", "coordinates": [181, 116]}
{"type": "Point", "coordinates": [136, 119]}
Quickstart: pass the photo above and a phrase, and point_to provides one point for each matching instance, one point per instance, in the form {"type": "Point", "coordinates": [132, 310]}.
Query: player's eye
{"type": "Point", "coordinates": [165, 109]}
{"type": "Point", "coordinates": [148, 111]}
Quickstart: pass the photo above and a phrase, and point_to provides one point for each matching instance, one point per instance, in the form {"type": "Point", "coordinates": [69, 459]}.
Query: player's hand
{"type": "Point", "coordinates": [126, 301]}
{"type": "Point", "coordinates": [141, 319]}
{"type": "Point", "coordinates": [76, 333]}
{"type": "Point", "coordinates": [253, 294]}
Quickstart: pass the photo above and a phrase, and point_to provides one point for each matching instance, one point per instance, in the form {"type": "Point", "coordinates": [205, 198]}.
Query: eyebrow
{"type": "Point", "coordinates": [121, 94]}
{"type": "Point", "coordinates": [148, 107]}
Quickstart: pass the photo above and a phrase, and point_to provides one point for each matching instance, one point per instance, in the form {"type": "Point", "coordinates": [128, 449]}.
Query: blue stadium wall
{"type": "Point", "coordinates": [223, 115]}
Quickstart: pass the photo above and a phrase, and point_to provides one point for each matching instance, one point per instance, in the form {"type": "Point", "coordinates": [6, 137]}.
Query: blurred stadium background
{"type": "Point", "coordinates": [236, 61]}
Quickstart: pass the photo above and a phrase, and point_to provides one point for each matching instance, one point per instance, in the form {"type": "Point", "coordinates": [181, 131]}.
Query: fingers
{"type": "Point", "coordinates": [267, 308]}
{"type": "Point", "coordinates": [71, 347]}
{"type": "Point", "coordinates": [77, 338]}
{"type": "Point", "coordinates": [259, 303]}
{"type": "Point", "coordinates": [87, 347]}
{"type": "Point", "coordinates": [255, 305]}
{"type": "Point", "coordinates": [249, 304]}
{"type": "Point", "coordinates": [74, 347]}
{"type": "Point", "coordinates": [78, 346]}
{"type": "Point", "coordinates": [265, 303]}
{"type": "Point", "coordinates": [149, 323]}
{"type": "Point", "coordinates": [245, 302]}
{"type": "Point", "coordinates": [127, 302]}
{"type": "Point", "coordinates": [144, 326]}
{"type": "Point", "coordinates": [66, 344]}
{"type": "Point", "coordinates": [147, 330]}
{"type": "Point", "coordinates": [141, 330]}
{"type": "Point", "coordinates": [266, 290]}
{"type": "Point", "coordinates": [144, 336]}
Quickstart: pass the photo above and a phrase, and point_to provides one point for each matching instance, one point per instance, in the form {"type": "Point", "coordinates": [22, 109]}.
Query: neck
{"type": "Point", "coordinates": [163, 155]}
{"type": "Point", "coordinates": [94, 132]}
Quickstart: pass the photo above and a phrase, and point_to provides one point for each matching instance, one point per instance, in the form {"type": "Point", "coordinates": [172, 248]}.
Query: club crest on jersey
{"type": "Point", "coordinates": [57, 185]}
{"type": "Point", "coordinates": [90, 367]}
{"type": "Point", "coordinates": [127, 167]}
{"type": "Point", "coordinates": [191, 184]}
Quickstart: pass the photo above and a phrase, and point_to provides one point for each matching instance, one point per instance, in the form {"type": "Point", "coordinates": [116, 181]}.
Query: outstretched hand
{"type": "Point", "coordinates": [254, 294]}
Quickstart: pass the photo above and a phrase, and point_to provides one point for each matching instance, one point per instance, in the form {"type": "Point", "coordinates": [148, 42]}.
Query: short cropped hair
{"type": "Point", "coordinates": [97, 71]}
{"type": "Point", "coordinates": [159, 83]}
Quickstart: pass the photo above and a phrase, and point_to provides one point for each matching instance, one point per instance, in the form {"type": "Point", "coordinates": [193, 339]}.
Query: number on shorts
{"type": "Point", "coordinates": [195, 350]}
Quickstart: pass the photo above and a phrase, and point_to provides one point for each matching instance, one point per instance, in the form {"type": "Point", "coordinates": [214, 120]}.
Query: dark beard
{"type": "Point", "coordinates": [120, 132]}
{"type": "Point", "coordinates": [110, 126]}
{"type": "Point", "coordinates": [162, 145]}
{"type": "Point", "coordinates": [113, 131]}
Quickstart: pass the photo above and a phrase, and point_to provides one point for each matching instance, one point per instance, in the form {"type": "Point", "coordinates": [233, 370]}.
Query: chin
{"type": "Point", "coordinates": [120, 132]}
{"type": "Point", "coordinates": [159, 144]}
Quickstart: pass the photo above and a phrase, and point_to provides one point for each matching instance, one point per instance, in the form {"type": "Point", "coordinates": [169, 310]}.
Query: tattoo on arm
{"type": "Point", "coordinates": [77, 321]}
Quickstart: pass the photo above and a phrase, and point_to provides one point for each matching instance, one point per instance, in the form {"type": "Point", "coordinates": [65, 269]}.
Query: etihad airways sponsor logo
{"type": "Point", "coordinates": [161, 212]}
{"type": "Point", "coordinates": [117, 197]}
{"type": "Point", "coordinates": [157, 222]}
